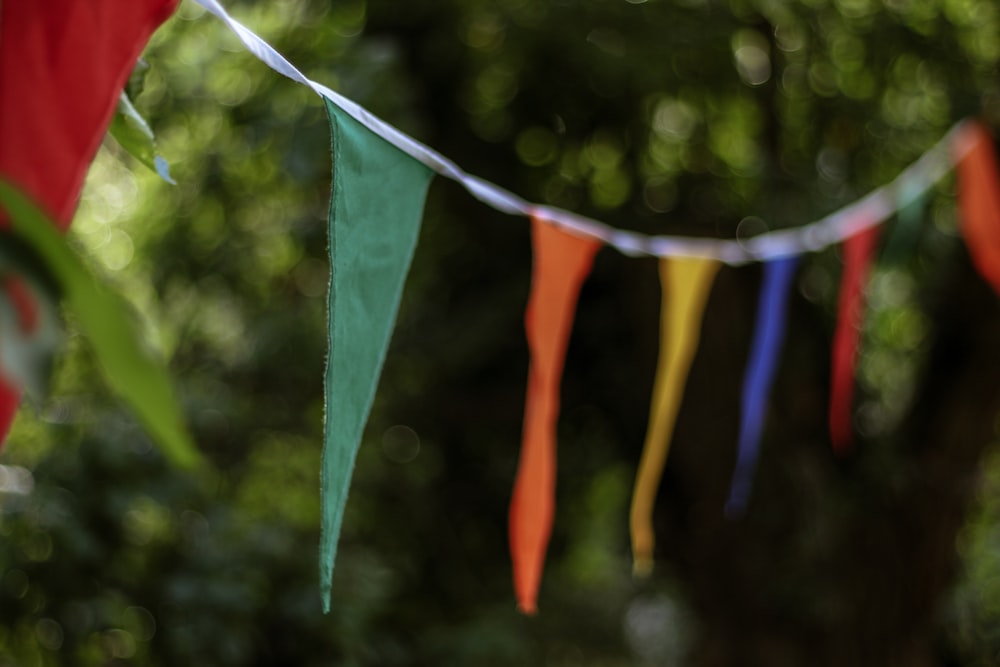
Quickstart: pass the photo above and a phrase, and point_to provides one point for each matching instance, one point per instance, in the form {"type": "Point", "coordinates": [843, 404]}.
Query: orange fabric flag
{"type": "Point", "coordinates": [979, 200]}
{"type": "Point", "coordinates": [858, 251]}
{"type": "Point", "coordinates": [561, 263]}
{"type": "Point", "coordinates": [686, 282]}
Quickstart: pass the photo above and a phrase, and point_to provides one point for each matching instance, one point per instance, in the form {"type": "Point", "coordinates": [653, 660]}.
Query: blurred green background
{"type": "Point", "coordinates": [720, 118]}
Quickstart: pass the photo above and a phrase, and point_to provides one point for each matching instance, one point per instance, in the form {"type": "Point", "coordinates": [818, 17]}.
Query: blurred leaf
{"type": "Point", "coordinates": [133, 133]}
{"type": "Point", "coordinates": [132, 372]}
{"type": "Point", "coordinates": [137, 80]}
{"type": "Point", "coordinates": [30, 326]}
{"type": "Point", "coordinates": [29, 347]}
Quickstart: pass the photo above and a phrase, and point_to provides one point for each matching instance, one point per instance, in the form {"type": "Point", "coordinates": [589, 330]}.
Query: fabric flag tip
{"type": "Point", "coordinates": [739, 495]}
{"type": "Point", "coordinates": [843, 445]}
{"type": "Point", "coordinates": [325, 594]}
{"type": "Point", "coordinates": [642, 567]}
{"type": "Point", "coordinates": [735, 509]}
{"type": "Point", "coordinates": [527, 607]}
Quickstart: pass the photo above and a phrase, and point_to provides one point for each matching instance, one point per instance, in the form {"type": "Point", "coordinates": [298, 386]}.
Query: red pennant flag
{"type": "Point", "coordinates": [63, 65]}
{"type": "Point", "coordinates": [561, 264]}
{"type": "Point", "coordinates": [858, 250]}
{"type": "Point", "coordinates": [979, 200]}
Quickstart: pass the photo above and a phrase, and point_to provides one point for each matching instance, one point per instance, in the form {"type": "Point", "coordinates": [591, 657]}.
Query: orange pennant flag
{"type": "Point", "coordinates": [685, 286]}
{"type": "Point", "coordinates": [979, 200]}
{"type": "Point", "coordinates": [561, 263]}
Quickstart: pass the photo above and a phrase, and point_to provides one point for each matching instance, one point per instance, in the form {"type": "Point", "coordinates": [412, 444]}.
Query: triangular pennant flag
{"type": "Point", "coordinates": [63, 64]}
{"type": "Point", "coordinates": [768, 336]}
{"type": "Point", "coordinates": [10, 399]}
{"type": "Point", "coordinates": [979, 200]}
{"type": "Point", "coordinates": [685, 283]}
{"type": "Point", "coordinates": [561, 263]}
{"type": "Point", "coordinates": [911, 203]}
{"type": "Point", "coordinates": [375, 211]}
{"type": "Point", "coordinates": [858, 250]}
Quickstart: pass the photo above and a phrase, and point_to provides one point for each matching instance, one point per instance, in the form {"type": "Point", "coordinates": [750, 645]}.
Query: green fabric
{"type": "Point", "coordinates": [139, 378]}
{"type": "Point", "coordinates": [903, 240]}
{"type": "Point", "coordinates": [375, 211]}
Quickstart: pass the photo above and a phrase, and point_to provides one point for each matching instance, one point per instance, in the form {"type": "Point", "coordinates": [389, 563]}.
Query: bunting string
{"type": "Point", "coordinates": [864, 213]}
{"type": "Point", "coordinates": [369, 266]}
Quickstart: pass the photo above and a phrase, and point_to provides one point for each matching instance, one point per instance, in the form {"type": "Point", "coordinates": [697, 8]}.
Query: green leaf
{"type": "Point", "coordinates": [137, 79]}
{"type": "Point", "coordinates": [133, 133]}
{"type": "Point", "coordinates": [139, 379]}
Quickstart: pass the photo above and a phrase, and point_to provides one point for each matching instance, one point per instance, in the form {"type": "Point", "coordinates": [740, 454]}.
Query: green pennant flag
{"type": "Point", "coordinates": [375, 211]}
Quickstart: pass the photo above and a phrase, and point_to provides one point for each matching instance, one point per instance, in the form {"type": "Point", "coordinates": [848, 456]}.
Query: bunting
{"type": "Point", "coordinates": [768, 336]}
{"type": "Point", "coordinates": [979, 200]}
{"type": "Point", "coordinates": [562, 262]}
{"type": "Point", "coordinates": [687, 269]}
{"type": "Point", "coordinates": [858, 251]}
{"type": "Point", "coordinates": [46, 142]}
{"type": "Point", "coordinates": [376, 206]}
{"type": "Point", "coordinates": [876, 207]}
{"type": "Point", "coordinates": [380, 182]}
{"type": "Point", "coordinates": [685, 286]}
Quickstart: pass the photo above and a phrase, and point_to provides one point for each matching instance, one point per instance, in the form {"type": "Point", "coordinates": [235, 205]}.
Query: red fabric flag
{"type": "Point", "coordinates": [63, 64]}
{"type": "Point", "coordinates": [858, 250]}
{"type": "Point", "coordinates": [979, 200]}
{"type": "Point", "coordinates": [561, 264]}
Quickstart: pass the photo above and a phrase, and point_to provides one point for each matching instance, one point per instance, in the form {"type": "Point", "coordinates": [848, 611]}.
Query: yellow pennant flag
{"type": "Point", "coordinates": [685, 284]}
